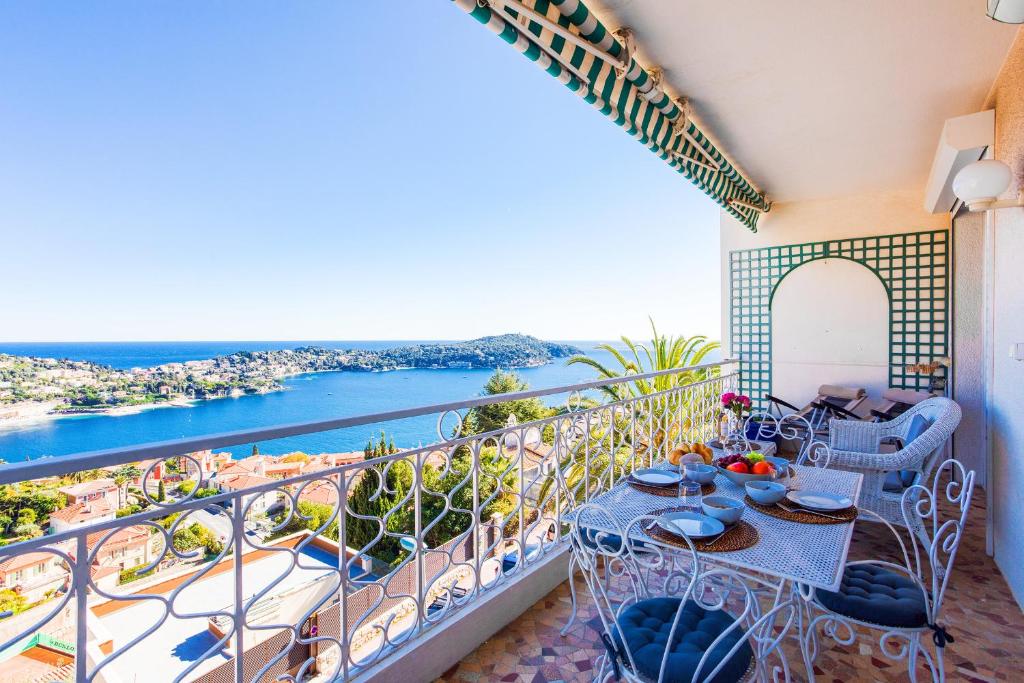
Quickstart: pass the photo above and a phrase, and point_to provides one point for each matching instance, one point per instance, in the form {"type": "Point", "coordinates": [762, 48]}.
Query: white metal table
{"type": "Point", "coordinates": [808, 554]}
{"type": "Point", "coordinates": [802, 555]}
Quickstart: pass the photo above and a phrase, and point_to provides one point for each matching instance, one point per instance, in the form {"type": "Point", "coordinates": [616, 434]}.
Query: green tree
{"type": "Point", "coordinates": [489, 418]}
{"type": "Point", "coordinates": [398, 480]}
{"type": "Point", "coordinates": [316, 513]}
{"type": "Point", "coordinates": [161, 492]}
{"type": "Point", "coordinates": [11, 601]}
{"type": "Point", "coordinates": [26, 516]}
{"type": "Point", "coordinates": [123, 475]}
{"type": "Point", "coordinates": [255, 449]}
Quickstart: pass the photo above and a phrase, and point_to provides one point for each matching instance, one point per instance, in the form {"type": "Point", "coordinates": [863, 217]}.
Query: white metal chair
{"type": "Point", "coordinates": [923, 431]}
{"type": "Point", "coordinates": [666, 618]}
{"type": "Point", "coordinates": [903, 602]}
{"type": "Point", "coordinates": [812, 449]}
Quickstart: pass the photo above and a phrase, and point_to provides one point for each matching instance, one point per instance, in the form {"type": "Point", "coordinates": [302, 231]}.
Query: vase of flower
{"type": "Point", "coordinates": [733, 407]}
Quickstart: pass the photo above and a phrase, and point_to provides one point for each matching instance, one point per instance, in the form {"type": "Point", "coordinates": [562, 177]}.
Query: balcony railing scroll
{"type": "Point", "coordinates": [320, 575]}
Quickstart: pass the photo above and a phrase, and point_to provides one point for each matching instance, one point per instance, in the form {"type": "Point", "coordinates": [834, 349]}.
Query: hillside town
{"type": "Point", "coordinates": [38, 388]}
{"type": "Point", "coordinates": [134, 558]}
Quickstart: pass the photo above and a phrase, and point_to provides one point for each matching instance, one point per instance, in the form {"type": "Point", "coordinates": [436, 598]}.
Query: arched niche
{"type": "Point", "coordinates": [830, 325]}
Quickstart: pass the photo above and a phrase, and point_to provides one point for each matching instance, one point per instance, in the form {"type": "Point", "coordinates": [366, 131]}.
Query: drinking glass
{"type": "Point", "coordinates": [689, 495]}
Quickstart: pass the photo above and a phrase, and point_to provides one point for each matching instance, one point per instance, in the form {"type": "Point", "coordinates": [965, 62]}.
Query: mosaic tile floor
{"type": "Point", "coordinates": [979, 612]}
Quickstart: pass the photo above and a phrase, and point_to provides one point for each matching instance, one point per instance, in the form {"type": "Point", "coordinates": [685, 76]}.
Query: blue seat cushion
{"type": "Point", "coordinates": [645, 628]}
{"type": "Point", "coordinates": [896, 482]}
{"type": "Point", "coordinates": [878, 596]}
{"type": "Point", "coordinates": [918, 426]}
{"type": "Point", "coordinates": [608, 542]}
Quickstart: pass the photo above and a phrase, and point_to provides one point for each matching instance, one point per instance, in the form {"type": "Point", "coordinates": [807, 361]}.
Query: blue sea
{"type": "Point", "coordinates": [311, 397]}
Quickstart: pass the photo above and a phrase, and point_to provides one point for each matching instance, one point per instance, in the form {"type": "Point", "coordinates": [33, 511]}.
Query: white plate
{"type": "Point", "coordinates": [655, 477]}
{"type": "Point", "coordinates": [692, 524]}
{"type": "Point", "coordinates": [819, 500]}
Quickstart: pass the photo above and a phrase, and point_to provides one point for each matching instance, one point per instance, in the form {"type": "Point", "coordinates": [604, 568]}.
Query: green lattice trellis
{"type": "Point", "coordinates": [912, 267]}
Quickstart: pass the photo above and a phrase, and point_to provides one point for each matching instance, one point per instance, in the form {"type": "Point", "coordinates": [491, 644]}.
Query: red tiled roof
{"type": "Point", "coordinates": [13, 564]}
{"type": "Point", "coordinates": [83, 512]}
{"type": "Point", "coordinates": [236, 468]}
{"type": "Point", "coordinates": [322, 493]}
{"type": "Point", "coordinates": [129, 536]}
{"type": "Point", "coordinates": [239, 482]}
{"type": "Point", "coordinates": [87, 487]}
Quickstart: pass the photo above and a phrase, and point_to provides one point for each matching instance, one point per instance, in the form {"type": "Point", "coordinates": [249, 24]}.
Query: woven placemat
{"type": "Point", "coordinates": [844, 516]}
{"type": "Point", "coordinates": [668, 491]}
{"type": "Point", "coordinates": [739, 536]}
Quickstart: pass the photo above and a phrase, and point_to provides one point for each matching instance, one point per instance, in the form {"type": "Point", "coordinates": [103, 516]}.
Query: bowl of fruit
{"type": "Point", "coordinates": [739, 468]}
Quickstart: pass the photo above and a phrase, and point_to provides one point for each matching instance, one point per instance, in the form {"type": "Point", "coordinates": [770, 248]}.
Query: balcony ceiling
{"type": "Point", "coordinates": [822, 99]}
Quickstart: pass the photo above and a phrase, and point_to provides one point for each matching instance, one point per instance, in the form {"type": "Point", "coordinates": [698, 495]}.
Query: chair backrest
{"type": "Point", "coordinates": [935, 540]}
{"type": "Point", "coordinates": [767, 427]}
{"type": "Point", "coordinates": [621, 566]}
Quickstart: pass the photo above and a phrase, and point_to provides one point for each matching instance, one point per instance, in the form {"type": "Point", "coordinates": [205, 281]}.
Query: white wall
{"type": "Point", "coordinates": [1005, 278]}
{"type": "Point", "coordinates": [968, 348]}
{"type": "Point", "coordinates": [830, 325]}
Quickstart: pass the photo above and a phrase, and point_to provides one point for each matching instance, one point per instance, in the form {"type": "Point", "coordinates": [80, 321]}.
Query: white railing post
{"type": "Point", "coordinates": [238, 542]}
{"type": "Point", "coordinates": [417, 484]}
{"type": "Point", "coordinates": [343, 564]}
{"type": "Point", "coordinates": [80, 580]}
{"type": "Point", "coordinates": [478, 543]}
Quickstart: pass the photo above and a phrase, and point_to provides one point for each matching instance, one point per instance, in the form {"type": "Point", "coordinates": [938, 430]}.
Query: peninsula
{"type": "Point", "coordinates": [37, 388]}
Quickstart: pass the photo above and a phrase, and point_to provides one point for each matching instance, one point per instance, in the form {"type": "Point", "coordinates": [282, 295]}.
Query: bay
{"type": "Point", "coordinates": [311, 397]}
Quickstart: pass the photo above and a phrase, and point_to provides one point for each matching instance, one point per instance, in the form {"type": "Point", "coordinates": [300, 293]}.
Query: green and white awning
{"type": "Point", "coordinates": [565, 39]}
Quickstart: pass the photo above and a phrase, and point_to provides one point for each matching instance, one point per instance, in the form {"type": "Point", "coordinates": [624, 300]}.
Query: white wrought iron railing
{"type": "Point", "coordinates": [324, 590]}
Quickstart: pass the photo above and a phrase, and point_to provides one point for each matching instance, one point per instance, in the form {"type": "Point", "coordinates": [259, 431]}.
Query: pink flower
{"type": "Point", "coordinates": [745, 400]}
{"type": "Point", "coordinates": [728, 397]}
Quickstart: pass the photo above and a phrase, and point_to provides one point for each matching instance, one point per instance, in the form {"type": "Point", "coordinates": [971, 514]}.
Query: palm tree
{"type": "Point", "coordinates": [671, 415]}
{"type": "Point", "coordinates": [123, 475]}
{"type": "Point", "coordinates": [664, 353]}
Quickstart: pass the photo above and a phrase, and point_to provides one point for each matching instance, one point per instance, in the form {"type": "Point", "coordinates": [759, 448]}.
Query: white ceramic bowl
{"type": "Point", "coordinates": [702, 474]}
{"type": "Point", "coordinates": [724, 509]}
{"type": "Point", "coordinates": [765, 492]}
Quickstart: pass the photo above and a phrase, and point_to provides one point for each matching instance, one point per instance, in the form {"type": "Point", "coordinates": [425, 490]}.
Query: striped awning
{"type": "Point", "coordinates": [601, 69]}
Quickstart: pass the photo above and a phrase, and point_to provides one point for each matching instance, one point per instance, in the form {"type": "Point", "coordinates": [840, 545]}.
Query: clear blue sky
{"type": "Point", "coordinates": [323, 170]}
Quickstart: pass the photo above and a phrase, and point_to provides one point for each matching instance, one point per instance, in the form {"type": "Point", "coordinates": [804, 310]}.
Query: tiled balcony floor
{"type": "Point", "coordinates": [979, 612]}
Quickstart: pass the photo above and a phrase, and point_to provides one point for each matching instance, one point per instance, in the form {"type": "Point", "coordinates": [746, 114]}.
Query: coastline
{"type": "Point", "coordinates": [32, 414]}
{"type": "Point", "coordinates": [34, 418]}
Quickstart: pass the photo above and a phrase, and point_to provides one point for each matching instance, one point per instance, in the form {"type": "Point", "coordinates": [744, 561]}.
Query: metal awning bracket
{"type": "Point", "coordinates": [501, 6]}
{"type": "Point", "coordinates": [679, 128]}
{"type": "Point", "coordinates": [747, 205]}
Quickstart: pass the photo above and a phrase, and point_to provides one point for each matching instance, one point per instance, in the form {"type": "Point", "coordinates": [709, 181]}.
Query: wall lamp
{"type": "Point", "coordinates": [979, 185]}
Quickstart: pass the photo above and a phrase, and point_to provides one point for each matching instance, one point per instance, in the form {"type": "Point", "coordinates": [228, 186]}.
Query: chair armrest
{"type": "Point", "coordinates": [903, 459]}
{"type": "Point", "coordinates": [838, 410]}
{"type": "Point", "coordinates": [780, 402]}
{"type": "Point", "coordinates": [881, 414]}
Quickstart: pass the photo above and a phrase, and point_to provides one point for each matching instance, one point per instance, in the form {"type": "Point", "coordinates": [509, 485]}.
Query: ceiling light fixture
{"type": "Point", "coordinates": [1006, 11]}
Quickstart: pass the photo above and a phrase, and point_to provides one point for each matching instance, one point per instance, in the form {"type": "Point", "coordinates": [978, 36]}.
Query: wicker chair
{"type": "Point", "coordinates": [857, 446]}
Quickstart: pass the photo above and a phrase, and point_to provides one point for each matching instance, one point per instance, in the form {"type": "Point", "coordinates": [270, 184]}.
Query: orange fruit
{"type": "Point", "coordinates": [762, 468]}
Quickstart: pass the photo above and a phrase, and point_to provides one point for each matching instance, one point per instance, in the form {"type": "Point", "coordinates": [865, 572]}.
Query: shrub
{"type": "Point", "coordinates": [131, 574]}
